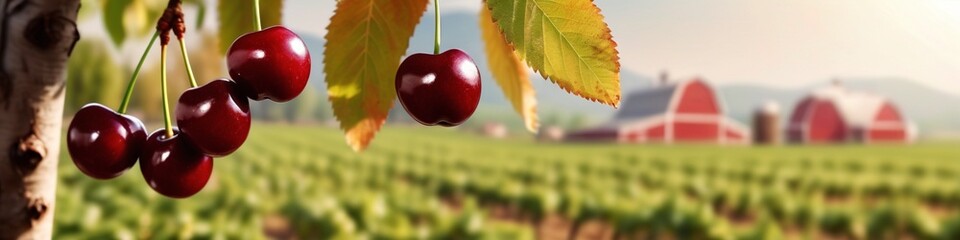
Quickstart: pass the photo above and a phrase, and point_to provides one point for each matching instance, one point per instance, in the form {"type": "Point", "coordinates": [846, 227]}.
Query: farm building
{"type": "Point", "coordinates": [836, 115]}
{"type": "Point", "coordinates": [686, 111]}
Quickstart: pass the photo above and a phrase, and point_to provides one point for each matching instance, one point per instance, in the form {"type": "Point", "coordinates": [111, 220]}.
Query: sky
{"type": "Point", "coordinates": [791, 42]}
{"type": "Point", "coordinates": [787, 43]}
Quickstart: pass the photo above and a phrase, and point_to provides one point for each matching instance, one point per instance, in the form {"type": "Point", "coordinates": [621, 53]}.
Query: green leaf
{"type": "Point", "coordinates": [236, 18]}
{"type": "Point", "coordinates": [365, 41]}
{"type": "Point", "coordinates": [567, 41]}
{"type": "Point", "coordinates": [126, 18]}
{"type": "Point", "coordinates": [113, 11]}
{"type": "Point", "coordinates": [509, 71]}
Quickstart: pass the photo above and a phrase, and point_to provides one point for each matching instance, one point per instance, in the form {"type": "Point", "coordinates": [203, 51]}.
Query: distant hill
{"type": "Point", "coordinates": [315, 44]}
{"type": "Point", "coordinates": [932, 109]}
{"type": "Point", "coordinates": [924, 105]}
{"type": "Point", "coordinates": [740, 100]}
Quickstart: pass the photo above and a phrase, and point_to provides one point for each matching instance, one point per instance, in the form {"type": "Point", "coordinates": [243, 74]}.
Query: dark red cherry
{"type": "Point", "coordinates": [172, 166]}
{"type": "Point", "coordinates": [214, 117]}
{"type": "Point", "coordinates": [103, 143]}
{"type": "Point", "coordinates": [270, 64]}
{"type": "Point", "coordinates": [439, 89]}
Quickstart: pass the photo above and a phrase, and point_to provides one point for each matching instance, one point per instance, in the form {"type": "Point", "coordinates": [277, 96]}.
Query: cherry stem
{"type": "Point", "coordinates": [186, 62]}
{"type": "Point", "coordinates": [256, 15]}
{"type": "Point", "coordinates": [436, 33]}
{"type": "Point", "coordinates": [136, 73]}
{"type": "Point", "coordinates": [168, 125]}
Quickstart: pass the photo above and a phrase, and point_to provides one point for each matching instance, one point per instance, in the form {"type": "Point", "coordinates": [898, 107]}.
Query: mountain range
{"type": "Point", "coordinates": [929, 108]}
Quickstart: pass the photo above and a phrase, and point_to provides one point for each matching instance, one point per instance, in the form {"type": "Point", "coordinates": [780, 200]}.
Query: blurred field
{"type": "Point", "coordinates": [430, 183]}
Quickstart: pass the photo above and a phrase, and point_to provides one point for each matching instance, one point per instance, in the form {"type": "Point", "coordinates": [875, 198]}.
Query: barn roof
{"type": "Point", "coordinates": [857, 108]}
{"type": "Point", "coordinates": [647, 102]}
{"type": "Point", "coordinates": [650, 107]}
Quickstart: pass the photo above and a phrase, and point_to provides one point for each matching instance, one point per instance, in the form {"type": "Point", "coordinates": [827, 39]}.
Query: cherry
{"type": "Point", "coordinates": [270, 64]}
{"type": "Point", "coordinates": [172, 167]}
{"type": "Point", "coordinates": [214, 117]}
{"type": "Point", "coordinates": [439, 89]}
{"type": "Point", "coordinates": [103, 143]}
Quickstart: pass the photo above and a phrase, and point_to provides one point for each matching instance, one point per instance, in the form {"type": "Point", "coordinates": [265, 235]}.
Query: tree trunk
{"type": "Point", "coordinates": [36, 38]}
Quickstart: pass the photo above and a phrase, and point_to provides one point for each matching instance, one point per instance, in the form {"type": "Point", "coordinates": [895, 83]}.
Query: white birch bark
{"type": "Point", "coordinates": [36, 38]}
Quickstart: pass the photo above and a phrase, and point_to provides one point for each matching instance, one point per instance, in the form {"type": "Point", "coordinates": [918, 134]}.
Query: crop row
{"type": "Point", "coordinates": [438, 184]}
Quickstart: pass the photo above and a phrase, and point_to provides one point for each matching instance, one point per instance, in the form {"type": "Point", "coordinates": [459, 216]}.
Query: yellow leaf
{"type": "Point", "coordinates": [509, 71]}
{"type": "Point", "coordinates": [567, 41]}
{"type": "Point", "coordinates": [365, 41]}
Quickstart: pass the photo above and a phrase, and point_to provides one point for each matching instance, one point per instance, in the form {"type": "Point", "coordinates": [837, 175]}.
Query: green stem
{"type": "Point", "coordinates": [168, 125]}
{"type": "Point", "coordinates": [136, 72]}
{"type": "Point", "coordinates": [436, 33]}
{"type": "Point", "coordinates": [256, 15]}
{"type": "Point", "coordinates": [186, 62]}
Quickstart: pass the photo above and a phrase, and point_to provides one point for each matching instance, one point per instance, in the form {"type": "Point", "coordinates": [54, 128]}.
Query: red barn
{"type": "Point", "coordinates": [837, 115]}
{"type": "Point", "coordinates": [687, 111]}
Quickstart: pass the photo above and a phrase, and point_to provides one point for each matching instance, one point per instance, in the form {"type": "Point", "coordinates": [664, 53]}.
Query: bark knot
{"type": "Point", "coordinates": [45, 30]}
{"type": "Point", "coordinates": [28, 152]}
{"type": "Point", "coordinates": [37, 208]}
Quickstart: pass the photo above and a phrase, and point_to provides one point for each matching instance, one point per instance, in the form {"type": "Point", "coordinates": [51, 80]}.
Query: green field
{"type": "Point", "coordinates": [431, 183]}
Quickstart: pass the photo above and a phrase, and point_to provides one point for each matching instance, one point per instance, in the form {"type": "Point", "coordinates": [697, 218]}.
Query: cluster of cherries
{"type": "Point", "coordinates": [213, 119]}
